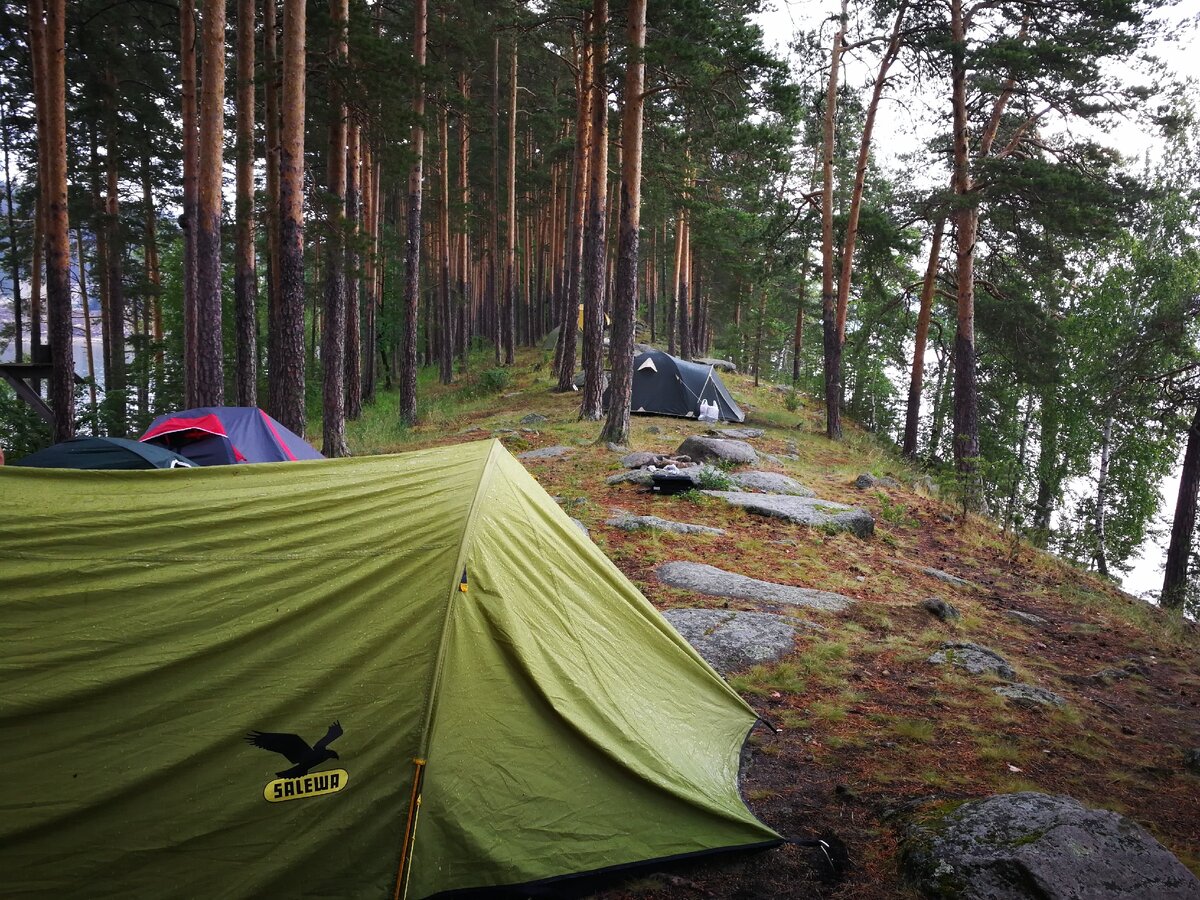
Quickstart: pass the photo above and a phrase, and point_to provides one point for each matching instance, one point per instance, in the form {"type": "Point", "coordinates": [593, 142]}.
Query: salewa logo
{"type": "Point", "coordinates": [295, 783]}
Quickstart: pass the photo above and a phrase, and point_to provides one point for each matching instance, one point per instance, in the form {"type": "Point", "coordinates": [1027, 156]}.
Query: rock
{"type": "Point", "coordinates": [741, 434]}
{"type": "Point", "coordinates": [643, 476]}
{"type": "Point", "coordinates": [1030, 845]}
{"type": "Point", "coordinates": [864, 481]}
{"type": "Point", "coordinates": [1029, 695]}
{"type": "Point", "coordinates": [1108, 676]}
{"type": "Point", "coordinates": [1027, 618]}
{"type": "Point", "coordinates": [640, 458]}
{"type": "Point", "coordinates": [731, 640]}
{"type": "Point", "coordinates": [947, 577]}
{"type": "Point", "coordinates": [534, 419]}
{"type": "Point", "coordinates": [629, 522]}
{"type": "Point", "coordinates": [1191, 760]}
{"type": "Point", "coordinates": [709, 449]}
{"type": "Point", "coordinates": [803, 511]}
{"type": "Point", "coordinates": [719, 583]}
{"type": "Point", "coordinates": [940, 608]}
{"type": "Point", "coordinates": [722, 365]}
{"type": "Point", "coordinates": [615, 448]}
{"type": "Point", "coordinates": [770, 483]}
{"type": "Point", "coordinates": [545, 452]}
{"type": "Point", "coordinates": [975, 659]}
{"type": "Point", "coordinates": [582, 527]}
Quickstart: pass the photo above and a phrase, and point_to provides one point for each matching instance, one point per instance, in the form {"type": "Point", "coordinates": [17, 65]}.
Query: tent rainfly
{"type": "Point", "coordinates": [256, 677]}
{"type": "Point", "coordinates": [664, 385]}
{"type": "Point", "coordinates": [225, 435]}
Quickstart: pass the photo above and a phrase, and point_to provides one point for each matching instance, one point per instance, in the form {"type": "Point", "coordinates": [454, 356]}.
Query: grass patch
{"type": "Point", "coordinates": [761, 680]}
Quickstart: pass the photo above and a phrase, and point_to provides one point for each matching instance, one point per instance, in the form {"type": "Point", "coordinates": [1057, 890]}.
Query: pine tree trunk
{"type": "Point", "coordinates": [673, 305]}
{"type": "Point", "coordinates": [595, 242]}
{"type": "Point", "coordinates": [616, 427]}
{"type": "Point", "coordinates": [686, 351]}
{"type": "Point", "coordinates": [568, 324]}
{"type": "Point", "coordinates": [333, 332]}
{"type": "Point", "coordinates": [508, 328]}
{"type": "Point", "coordinates": [191, 167]}
{"type": "Point", "coordinates": [798, 333]}
{"type": "Point", "coordinates": [271, 89]}
{"type": "Point", "coordinates": [493, 300]}
{"type": "Point", "coordinates": [832, 344]}
{"type": "Point", "coordinates": [100, 234]}
{"type": "Point", "coordinates": [115, 375]}
{"type": "Point", "coordinates": [917, 378]}
{"type": "Point", "coordinates": [87, 327]}
{"type": "Point", "coordinates": [153, 273]}
{"type": "Point", "coordinates": [245, 279]}
{"type": "Point", "coordinates": [210, 357]}
{"type": "Point", "coordinates": [286, 373]}
{"type": "Point", "coordinates": [966, 400]}
{"type": "Point", "coordinates": [445, 316]}
{"type": "Point", "coordinates": [58, 260]}
{"type": "Point", "coordinates": [1179, 553]}
{"type": "Point", "coordinates": [353, 360]}
{"type": "Point", "coordinates": [13, 255]}
{"type": "Point", "coordinates": [464, 187]}
{"type": "Point", "coordinates": [412, 240]}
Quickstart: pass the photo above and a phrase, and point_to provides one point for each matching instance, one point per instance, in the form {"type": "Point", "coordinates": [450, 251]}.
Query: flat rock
{"type": "Point", "coordinates": [615, 448]}
{"type": "Point", "coordinates": [1028, 618]}
{"type": "Point", "coordinates": [975, 659]}
{"type": "Point", "coordinates": [803, 511]}
{"type": "Point", "coordinates": [730, 640]}
{"type": "Point", "coordinates": [1031, 845]}
{"type": "Point", "coordinates": [545, 452]}
{"type": "Point", "coordinates": [640, 458]}
{"type": "Point", "coordinates": [740, 434]}
{"type": "Point", "coordinates": [716, 582]}
{"type": "Point", "coordinates": [1029, 695]}
{"type": "Point", "coordinates": [770, 483]}
{"type": "Point", "coordinates": [866, 480]}
{"type": "Point", "coordinates": [946, 577]}
{"type": "Point", "coordinates": [629, 522]}
{"type": "Point", "coordinates": [534, 419]}
{"type": "Point", "coordinates": [710, 449]}
{"type": "Point", "coordinates": [938, 607]}
{"type": "Point", "coordinates": [721, 365]}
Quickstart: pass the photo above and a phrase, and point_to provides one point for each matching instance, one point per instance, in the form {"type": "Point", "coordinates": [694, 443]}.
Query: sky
{"type": "Point", "coordinates": [900, 123]}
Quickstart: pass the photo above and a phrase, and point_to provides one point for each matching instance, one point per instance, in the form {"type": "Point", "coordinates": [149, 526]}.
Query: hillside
{"type": "Point", "coordinates": [865, 724]}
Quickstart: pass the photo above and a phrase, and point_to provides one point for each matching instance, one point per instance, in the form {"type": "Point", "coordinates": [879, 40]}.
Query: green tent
{"type": "Point", "coordinates": [344, 678]}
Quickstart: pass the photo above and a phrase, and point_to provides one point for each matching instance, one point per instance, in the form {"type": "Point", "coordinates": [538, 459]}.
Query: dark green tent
{"type": "Point", "coordinates": [340, 678]}
{"type": "Point", "coordinates": [104, 453]}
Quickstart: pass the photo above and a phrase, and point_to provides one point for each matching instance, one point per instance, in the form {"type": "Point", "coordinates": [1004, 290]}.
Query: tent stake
{"type": "Point", "coordinates": [410, 830]}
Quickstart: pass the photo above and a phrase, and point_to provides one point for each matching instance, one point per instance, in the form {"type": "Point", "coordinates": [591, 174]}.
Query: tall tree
{"type": "Point", "coordinates": [190, 118]}
{"type": "Point", "coordinates": [508, 331]}
{"type": "Point", "coordinates": [832, 345]}
{"type": "Point", "coordinates": [333, 333]}
{"type": "Point", "coordinates": [595, 242]}
{"type": "Point", "coordinates": [210, 356]}
{"type": "Point", "coordinates": [286, 372]}
{"type": "Point", "coordinates": [14, 255]}
{"type": "Point", "coordinates": [1179, 552]}
{"type": "Point", "coordinates": [353, 354]}
{"type": "Point", "coordinates": [272, 86]}
{"type": "Point", "coordinates": [245, 278]}
{"type": "Point", "coordinates": [412, 239]}
{"type": "Point", "coordinates": [616, 427]}
{"type": "Point", "coordinates": [917, 377]}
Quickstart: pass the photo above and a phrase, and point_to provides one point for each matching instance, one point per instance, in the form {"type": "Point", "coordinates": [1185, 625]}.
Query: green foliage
{"type": "Point", "coordinates": [493, 381]}
{"type": "Point", "coordinates": [715, 479]}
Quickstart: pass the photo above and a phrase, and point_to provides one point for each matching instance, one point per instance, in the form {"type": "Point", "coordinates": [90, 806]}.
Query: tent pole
{"type": "Point", "coordinates": [410, 830]}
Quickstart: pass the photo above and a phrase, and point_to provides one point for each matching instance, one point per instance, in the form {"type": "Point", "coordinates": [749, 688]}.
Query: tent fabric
{"type": "Point", "coordinates": [104, 453]}
{"type": "Point", "coordinates": [225, 435]}
{"type": "Point", "coordinates": [664, 385]}
{"type": "Point", "coordinates": [151, 623]}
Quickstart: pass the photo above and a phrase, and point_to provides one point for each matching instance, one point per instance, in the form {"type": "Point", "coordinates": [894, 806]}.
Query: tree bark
{"type": "Point", "coordinates": [832, 344]}
{"type": "Point", "coordinates": [1179, 552]}
{"type": "Point", "coordinates": [271, 89]}
{"type": "Point", "coordinates": [115, 380]}
{"type": "Point", "coordinates": [616, 427]}
{"type": "Point", "coordinates": [412, 240]}
{"type": "Point", "coordinates": [286, 373]}
{"type": "Point", "coordinates": [591, 403]}
{"type": "Point", "coordinates": [13, 256]}
{"type": "Point", "coordinates": [333, 332]}
{"type": "Point", "coordinates": [58, 260]}
{"type": "Point", "coordinates": [917, 378]}
{"type": "Point", "coordinates": [245, 279]}
{"type": "Point", "coordinates": [191, 165]}
{"type": "Point", "coordinates": [508, 328]}
{"type": "Point", "coordinates": [683, 317]}
{"type": "Point", "coordinates": [673, 305]}
{"type": "Point", "coordinates": [966, 400]}
{"type": "Point", "coordinates": [87, 327]}
{"type": "Point", "coordinates": [568, 324]}
{"type": "Point", "coordinates": [445, 316]}
{"type": "Point", "coordinates": [210, 357]}
{"type": "Point", "coordinates": [353, 355]}
{"type": "Point", "coordinates": [153, 272]}
{"type": "Point", "coordinates": [493, 284]}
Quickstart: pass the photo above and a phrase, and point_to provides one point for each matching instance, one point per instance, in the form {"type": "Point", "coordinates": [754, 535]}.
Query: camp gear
{"type": "Point", "coordinates": [670, 483]}
{"type": "Point", "coordinates": [104, 453]}
{"type": "Point", "coordinates": [472, 694]}
{"type": "Point", "coordinates": [224, 435]}
{"type": "Point", "coordinates": [665, 385]}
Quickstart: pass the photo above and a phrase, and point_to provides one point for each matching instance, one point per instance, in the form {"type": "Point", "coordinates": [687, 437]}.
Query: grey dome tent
{"type": "Point", "coordinates": [664, 385]}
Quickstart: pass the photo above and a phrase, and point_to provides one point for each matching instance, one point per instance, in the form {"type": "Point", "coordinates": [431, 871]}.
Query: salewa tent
{"type": "Point", "coordinates": [664, 385]}
{"type": "Point", "coordinates": [247, 681]}
{"type": "Point", "coordinates": [104, 453]}
{"type": "Point", "coordinates": [224, 435]}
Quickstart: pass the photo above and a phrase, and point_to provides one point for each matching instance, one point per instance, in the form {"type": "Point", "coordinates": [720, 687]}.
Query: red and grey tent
{"type": "Point", "coordinates": [224, 435]}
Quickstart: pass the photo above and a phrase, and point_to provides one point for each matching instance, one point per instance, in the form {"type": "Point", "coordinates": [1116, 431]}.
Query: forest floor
{"type": "Point", "coordinates": [865, 725]}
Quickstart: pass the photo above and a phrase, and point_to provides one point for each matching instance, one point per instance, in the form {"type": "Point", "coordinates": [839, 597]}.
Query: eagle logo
{"type": "Point", "coordinates": [296, 750]}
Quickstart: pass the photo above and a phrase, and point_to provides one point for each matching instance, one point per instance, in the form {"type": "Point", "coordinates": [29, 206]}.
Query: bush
{"type": "Point", "coordinates": [791, 401]}
{"type": "Point", "coordinates": [493, 381]}
{"type": "Point", "coordinates": [712, 479]}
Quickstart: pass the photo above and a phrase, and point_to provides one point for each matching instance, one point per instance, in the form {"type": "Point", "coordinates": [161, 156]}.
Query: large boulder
{"type": "Point", "coordinates": [737, 434]}
{"type": "Point", "coordinates": [946, 577]}
{"type": "Point", "coordinates": [710, 449]}
{"type": "Point", "coordinates": [770, 483]}
{"type": "Point", "coordinates": [1032, 846]}
{"type": "Point", "coordinates": [975, 659]}
{"type": "Point", "coordinates": [1029, 695]}
{"type": "Point", "coordinates": [718, 583]}
{"type": "Point", "coordinates": [809, 511]}
{"type": "Point", "coordinates": [730, 639]}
